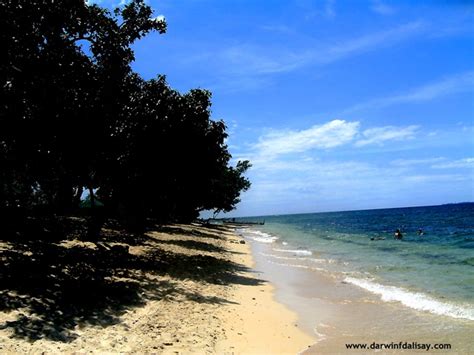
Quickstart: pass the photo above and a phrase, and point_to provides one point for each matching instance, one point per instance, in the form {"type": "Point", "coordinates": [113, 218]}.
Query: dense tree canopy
{"type": "Point", "coordinates": [74, 116]}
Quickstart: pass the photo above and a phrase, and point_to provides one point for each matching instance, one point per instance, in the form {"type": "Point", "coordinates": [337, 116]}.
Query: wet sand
{"type": "Point", "coordinates": [256, 323]}
{"type": "Point", "coordinates": [338, 313]}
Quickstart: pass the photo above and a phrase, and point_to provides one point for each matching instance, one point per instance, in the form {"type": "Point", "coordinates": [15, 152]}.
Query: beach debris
{"type": "Point", "coordinates": [242, 242]}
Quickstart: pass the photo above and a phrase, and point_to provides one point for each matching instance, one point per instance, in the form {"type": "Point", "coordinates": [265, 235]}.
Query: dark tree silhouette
{"type": "Point", "coordinates": [75, 117]}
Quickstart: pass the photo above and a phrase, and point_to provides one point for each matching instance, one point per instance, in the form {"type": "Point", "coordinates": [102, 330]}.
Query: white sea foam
{"type": "Point", "coordinates": [319, 261]}
{"type": "Point", "coordinates": [284, 257]}
{"type": "Point", "coordinates": [297, 252]}
{"type": "Point", "coordinates": [258, 236]}
{"type": "Point", "coordinates": [299, 266]}
{"type": "Point", "coordinates": [414, 300]}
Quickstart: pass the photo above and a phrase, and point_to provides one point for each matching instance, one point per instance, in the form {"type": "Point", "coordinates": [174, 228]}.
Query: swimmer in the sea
{"type": "Point", "coordinates": [398, 234]}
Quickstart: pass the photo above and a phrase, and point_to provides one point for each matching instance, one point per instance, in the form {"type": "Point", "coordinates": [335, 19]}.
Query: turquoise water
{"type": "Point", "coordinates": [433, 272]}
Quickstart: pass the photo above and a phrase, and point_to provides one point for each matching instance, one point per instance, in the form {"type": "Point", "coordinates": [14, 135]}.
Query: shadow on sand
{"type": "Point", "coordinates": [55, 287]}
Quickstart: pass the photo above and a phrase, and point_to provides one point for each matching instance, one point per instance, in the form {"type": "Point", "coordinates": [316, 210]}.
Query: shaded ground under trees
{"type": "Point", "coordinates": [75, 118]}
{"type": "Point", "coordinates": [59, 282]}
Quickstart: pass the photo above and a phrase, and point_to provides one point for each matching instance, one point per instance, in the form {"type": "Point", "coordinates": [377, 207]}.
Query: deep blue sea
{"type": "Point", "coordinates": [431, 272]}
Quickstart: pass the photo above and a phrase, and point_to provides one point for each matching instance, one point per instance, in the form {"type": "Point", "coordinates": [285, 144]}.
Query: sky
{"type": "Point", "coordinates": [338, 105]}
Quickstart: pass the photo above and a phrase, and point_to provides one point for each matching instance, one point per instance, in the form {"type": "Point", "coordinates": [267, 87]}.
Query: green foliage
{"type": "Point", "coordinates": [87, 203]}
{"type": "Point", "coordinates": [74, 116]}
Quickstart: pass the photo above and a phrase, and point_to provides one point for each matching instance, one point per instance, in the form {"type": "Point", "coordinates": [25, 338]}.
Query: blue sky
{"type": "Point", "coordinates": [339, 105]}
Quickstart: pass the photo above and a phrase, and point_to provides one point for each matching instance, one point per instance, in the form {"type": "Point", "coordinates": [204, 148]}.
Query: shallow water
{"type": "Point", "coordinates": [424, 284]}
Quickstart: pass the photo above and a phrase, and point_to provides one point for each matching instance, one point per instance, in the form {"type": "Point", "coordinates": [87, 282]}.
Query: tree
{"type": "Point", "coordinates": [63, 69]}
{"type": "Point", "coordinates": [175, 156]}
{"type": "Point", "coordinates": [74, 116]}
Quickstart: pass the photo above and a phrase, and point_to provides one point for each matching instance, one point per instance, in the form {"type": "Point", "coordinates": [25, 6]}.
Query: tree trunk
{"type": "Point", "coordinates": [92, 197]}
{"type": "Point", "coordinates": [77, 197]}
{"type": "Point", "coordinates": [95, 219]}
{"type": "Point", "coordinates": [64, 196]}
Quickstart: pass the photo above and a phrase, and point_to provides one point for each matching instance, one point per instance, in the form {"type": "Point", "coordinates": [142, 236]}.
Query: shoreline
{"type": "Point", "coordinates": [340, 313]}
{"type": "Point", "coordinates": [179, 288]}
{"type": "Point", "coordinates": [258, 323]}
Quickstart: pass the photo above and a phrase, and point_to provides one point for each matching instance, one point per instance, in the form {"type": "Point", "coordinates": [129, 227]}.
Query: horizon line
{"type": "Point", "coordinates": [335, 211]}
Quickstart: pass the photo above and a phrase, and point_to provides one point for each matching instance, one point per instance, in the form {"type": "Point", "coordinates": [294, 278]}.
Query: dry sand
{"type": "Point", "coordinates": [181, 288]}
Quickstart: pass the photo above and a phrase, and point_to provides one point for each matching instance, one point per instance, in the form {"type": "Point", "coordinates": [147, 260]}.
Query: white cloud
{"type": "Point", "coordinates": [461, 163]}
{"type": "Point", "coordinates": [456, 83]}
{"type": "Point", "coordinates": [298, 170]}
{"type": "Point", "coordinates": [252, 60]}
{"type": "Point", "coordinates": [273, 150]}
{"type": "Point", "coordinates": [416, 162]}
{"type": "Point", "coordinates": [249, 59]}
{"type": "Point", "coordinates": [328, 135]}
{"type": "Point", "coordinates": [462, 82]}
{"type": "Point", "coordinates": [278, 29]}
{"type": "Point", "coordinates": [158, 18]}
{"type": "Point", "coordinates": [371, 41]}
{"type": "Point", "coordinates": [380, 135]}
{"type": "Point", "coordinates": [443, 178]}
{"type": "Point", "coordinates": [382, 8]}
{"type": "Point", "coordinates": [293, 150]}
{"type": "Point", "coordinates": [329, 8]}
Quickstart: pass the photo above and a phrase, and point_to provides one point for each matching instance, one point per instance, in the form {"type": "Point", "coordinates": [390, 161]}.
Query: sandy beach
{"type": "Point", "coordinates": [178, 289]}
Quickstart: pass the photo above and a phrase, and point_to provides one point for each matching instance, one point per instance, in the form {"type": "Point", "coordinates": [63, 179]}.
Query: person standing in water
{"type": "Point", "coordinates": [398, 234]}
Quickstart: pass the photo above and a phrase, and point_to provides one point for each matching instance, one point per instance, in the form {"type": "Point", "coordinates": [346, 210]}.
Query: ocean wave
{"type": "Point", "coordinates": [299, 266]}
{"type": "Point", "coordinates": [285, 257]}
{"type": "Point", "coordinates": [414, 300]}
{"type": "Point", "coordinates": [468, 261]}
{"type": "Point", "coordinates": [298, 252]}
{"type": "Point", "coordinates": [260, 237]}
{"type": "Point", "coordinates": [314, 260]}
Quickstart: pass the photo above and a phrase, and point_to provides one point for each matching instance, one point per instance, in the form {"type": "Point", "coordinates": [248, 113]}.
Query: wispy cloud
{"type": "Point", "coordinates": [252, 60]}
{"type": "Point", "coordinates": [368, 42]}
{"type": "Point", "coordinates": [461, 163]}
{"type": "Point", "coordinates": [456, 83]}
{"type": "Point", "coordinates": [381, 8]}
{"type": "Point", "coordinates": [371, 41]}
{"type": "Point", "coordinates": [288, 149]}
{"type": "Point", "coordinates": [461, 82]}
{"type": "Point", "coordinates": [380, 135]}
{"type": "Point", "coordinates": [435, 163]}
{"type": "Point", "coordinates": [298, 167]}
{"type": "Point", "coordinates": [278, 29]}
{"type": "Point", "coordinates": [328, 135]}
{"type": "Point", "coordinates": [329, 8]}
{"type": "Point", "coordinates": [436, 178]}
{"type": "Point", "coordinates": [324, 9]}
{"type": "Point", "coordinates": [416, 162]}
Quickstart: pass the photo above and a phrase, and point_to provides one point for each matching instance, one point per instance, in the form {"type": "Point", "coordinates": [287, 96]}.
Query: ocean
{"type": "Point", "coordinates": [429, 272]}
